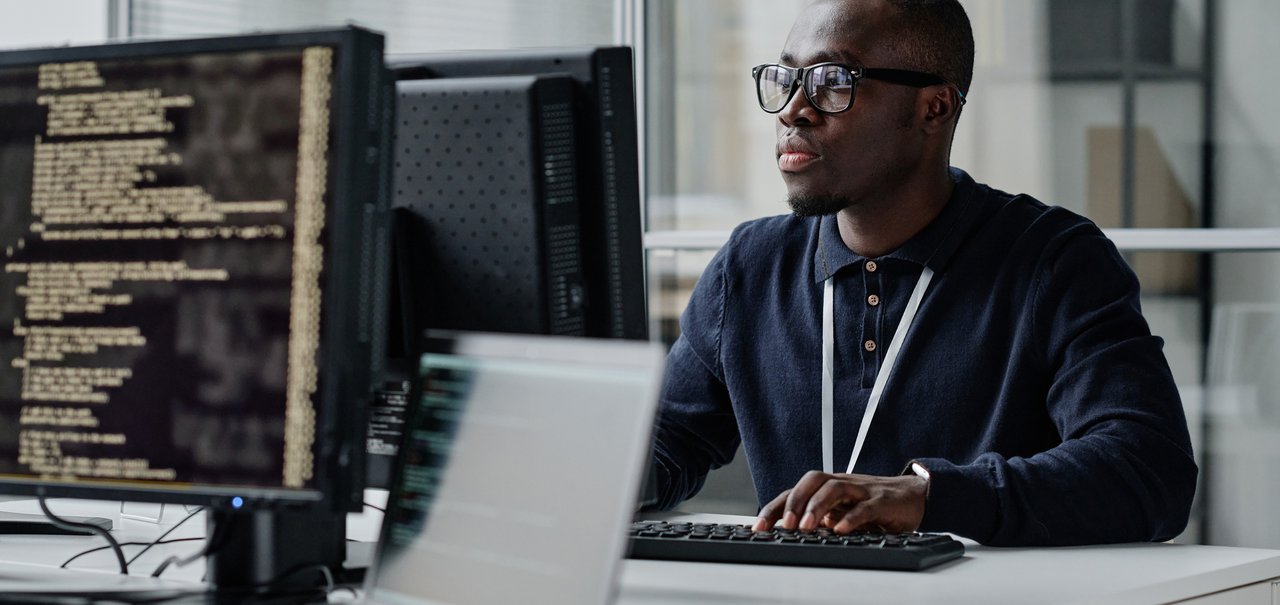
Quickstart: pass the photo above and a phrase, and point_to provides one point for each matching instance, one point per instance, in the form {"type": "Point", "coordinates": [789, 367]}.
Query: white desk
{"type": "Point", "coordinates": [54, 550]}
{"type": "Point", "coordinates": [1127, 574]}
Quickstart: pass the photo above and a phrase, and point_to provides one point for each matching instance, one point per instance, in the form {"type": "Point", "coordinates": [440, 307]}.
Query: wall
{"type": "Point", "coordinates": [29, 23]}
{"type": "Point", "coordinates": [1244, 387]}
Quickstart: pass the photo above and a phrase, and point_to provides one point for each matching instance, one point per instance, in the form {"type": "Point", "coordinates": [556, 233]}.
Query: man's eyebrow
{"type": "Point", "coordinates": [818, 57]}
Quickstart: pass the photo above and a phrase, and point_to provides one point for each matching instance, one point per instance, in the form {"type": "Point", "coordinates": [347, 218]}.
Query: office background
{"type": "Point", "coordinates": [1152, 117]}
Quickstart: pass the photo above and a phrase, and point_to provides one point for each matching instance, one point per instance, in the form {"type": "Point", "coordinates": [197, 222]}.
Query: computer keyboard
{"type": "Point", "coordinates": [724, 543]}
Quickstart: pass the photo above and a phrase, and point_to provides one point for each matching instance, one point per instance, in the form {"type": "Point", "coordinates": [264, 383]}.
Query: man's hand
{"type": "Point", "coordinates": [845, 503]}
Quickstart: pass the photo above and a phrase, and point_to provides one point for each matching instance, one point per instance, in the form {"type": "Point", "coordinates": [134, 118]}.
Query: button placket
{"type": "Point", "coordinates": [871, 323]}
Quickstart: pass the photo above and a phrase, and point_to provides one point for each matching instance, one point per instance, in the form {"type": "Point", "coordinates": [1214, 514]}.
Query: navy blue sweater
{"type": "Point", "coordinates": [1029, 384]}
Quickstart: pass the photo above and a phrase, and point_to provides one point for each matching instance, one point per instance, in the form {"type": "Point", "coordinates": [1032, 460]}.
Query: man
{"type": "Point", "coordinates": [989, 372]}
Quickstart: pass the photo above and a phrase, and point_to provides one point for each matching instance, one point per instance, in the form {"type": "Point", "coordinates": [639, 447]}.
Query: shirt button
{"type": "Point", "coordinates": [870, 345]}
{"type": "Point", "coordinates": [873, 300]}
{"type": "Point", "coordinates": [871, 266]}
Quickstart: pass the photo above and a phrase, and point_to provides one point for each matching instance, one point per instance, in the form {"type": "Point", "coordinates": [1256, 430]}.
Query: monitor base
{"type": "Point", "coordinates": [28, 524]}
{"type": "Point", "coordinates": [277, 551]}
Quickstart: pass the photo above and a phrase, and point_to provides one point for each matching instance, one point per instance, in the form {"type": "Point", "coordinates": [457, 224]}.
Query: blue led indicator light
{"type": "Point", "coordinates": [237, 502]}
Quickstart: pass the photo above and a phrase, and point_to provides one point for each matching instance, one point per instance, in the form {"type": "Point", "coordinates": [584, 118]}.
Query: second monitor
{"type": "Point", "coordinates": [517, 205]}
{"type": "Point", "coordinates": [488, 167]}
{"type": "Point", "coordinates": [573, 120]}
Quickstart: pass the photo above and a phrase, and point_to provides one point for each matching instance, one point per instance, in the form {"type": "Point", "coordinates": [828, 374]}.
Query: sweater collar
{"type": "Point", "coordinates": [932, 247]}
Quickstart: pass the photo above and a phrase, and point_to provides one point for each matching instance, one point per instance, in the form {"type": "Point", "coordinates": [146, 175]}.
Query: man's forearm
{"type": "Point", "coordinates": [1100, 488]}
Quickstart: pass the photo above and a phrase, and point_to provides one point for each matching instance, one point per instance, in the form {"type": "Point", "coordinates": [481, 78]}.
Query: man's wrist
{"type": "Point", "coordinates": [919, 470]}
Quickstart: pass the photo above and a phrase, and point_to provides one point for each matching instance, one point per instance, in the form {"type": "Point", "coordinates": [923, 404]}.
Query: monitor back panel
{"type": "Point", "coordinates": [488, 166]}
{"type": "Point", "coordinates": [609, 180]}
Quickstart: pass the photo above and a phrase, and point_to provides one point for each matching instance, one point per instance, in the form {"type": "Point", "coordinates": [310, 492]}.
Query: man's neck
{"type": "Point", "coordinates": [875, 227]}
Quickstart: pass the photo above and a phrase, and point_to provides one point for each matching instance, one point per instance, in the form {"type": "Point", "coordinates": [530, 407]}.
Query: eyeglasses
{"type": "Point", "coordinates": [830, 87]}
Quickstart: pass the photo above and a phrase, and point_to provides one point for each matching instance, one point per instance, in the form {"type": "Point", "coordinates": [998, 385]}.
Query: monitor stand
{"type": "Point", "coordinates": [277, 551]}
{"type": "Point", "coordinates": [23, 523]}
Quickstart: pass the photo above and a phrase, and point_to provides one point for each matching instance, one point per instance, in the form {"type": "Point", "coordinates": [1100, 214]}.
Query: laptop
{"type": "Point", "coordinates": [519, 471]}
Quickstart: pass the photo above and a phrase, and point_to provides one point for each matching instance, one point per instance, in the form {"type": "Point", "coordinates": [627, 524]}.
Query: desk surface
{"type": "Point", "coordinates": [1125, 574]}
{"type": "Point", "coordinates": [1118, 574]}
{"type": "Point", "coordinates": [54, 550]}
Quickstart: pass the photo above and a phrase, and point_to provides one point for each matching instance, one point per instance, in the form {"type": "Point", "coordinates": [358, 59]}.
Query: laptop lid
{"type": "Point", "coordinates": [519, 471]}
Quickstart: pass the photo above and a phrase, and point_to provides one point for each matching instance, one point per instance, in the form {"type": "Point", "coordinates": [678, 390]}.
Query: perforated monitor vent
{"type": "Point", "coordinates": [488, 164]}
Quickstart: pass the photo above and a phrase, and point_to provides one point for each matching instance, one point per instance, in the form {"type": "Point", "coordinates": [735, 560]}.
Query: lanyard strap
{"type": "Point", "coordinates": [828, 369]}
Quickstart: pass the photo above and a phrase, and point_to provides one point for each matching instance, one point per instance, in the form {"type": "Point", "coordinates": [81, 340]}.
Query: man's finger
{"type": "Point", "coordinates": [861, 516]}
{"type": "Point", "coordinates": [835, 498]}
{"type": "Point", "coordinates": [771, 512]}
{"type": "Point", "coordinates": [798, 501]}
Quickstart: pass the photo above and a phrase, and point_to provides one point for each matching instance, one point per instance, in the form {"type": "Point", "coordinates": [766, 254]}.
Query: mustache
{"type": "Point", "coordinates": [795, 141]}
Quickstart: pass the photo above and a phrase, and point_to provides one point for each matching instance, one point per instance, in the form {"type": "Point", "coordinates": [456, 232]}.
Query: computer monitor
{"type": "Point", "coordinates": [605, 169]}
{"type": "Point", "coordinates": [192, 237]}
{"type": "Point", "coordinates": [516, 195]}
{"type": "Point", "coordinates": [516, 407]}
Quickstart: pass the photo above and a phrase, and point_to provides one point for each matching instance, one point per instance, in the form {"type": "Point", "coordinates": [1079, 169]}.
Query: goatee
{"type": "Point", "coordinates": [817, 205]}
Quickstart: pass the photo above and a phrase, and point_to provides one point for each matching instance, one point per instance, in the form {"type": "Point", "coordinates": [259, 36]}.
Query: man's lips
{"type": "Point", "coordinates": [795, 155]}
{"type": "Point", "coordinates": [794, 161]}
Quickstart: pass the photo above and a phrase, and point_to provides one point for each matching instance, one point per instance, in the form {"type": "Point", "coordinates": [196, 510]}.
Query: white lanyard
{"type": "Point", "coordinates": [828, 369]}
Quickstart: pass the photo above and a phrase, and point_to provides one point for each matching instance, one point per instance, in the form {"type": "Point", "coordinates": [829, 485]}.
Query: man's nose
{"type": "Point", "coordinates": [798, 110]}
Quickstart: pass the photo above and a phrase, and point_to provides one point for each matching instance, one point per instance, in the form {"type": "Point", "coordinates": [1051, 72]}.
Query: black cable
{"type": "Point", "coordinates": [298, 569]}
{"type": "Point", "coordinates": [122, 544]}
{"type": "Point", "coordinates": [215, 542]}
{"type": "Point", "coordinates": [251, 593]}
{"type": "Point", "coordinates": [379, 509]}
{"type": "Point", "coordinates": [176, 559]}
{"type": "Point", "coordinates": [197, 511]}
{"type": "Point", "coordinates": [149, 545]}
{"type": "Point", "coordinates": [329, 584]}
{"type": "Point", "coordinates": [64, 524]}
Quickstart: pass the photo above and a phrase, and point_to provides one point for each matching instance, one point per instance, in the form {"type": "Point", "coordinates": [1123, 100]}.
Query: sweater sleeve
{"type": "Point", "coordinates": [695, 430]}
{"type": "Point", "coordinates": [1124, 470]}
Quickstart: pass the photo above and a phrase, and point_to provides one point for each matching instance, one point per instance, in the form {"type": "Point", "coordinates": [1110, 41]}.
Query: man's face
{"type": "Point", "coordinates": [832, 161]}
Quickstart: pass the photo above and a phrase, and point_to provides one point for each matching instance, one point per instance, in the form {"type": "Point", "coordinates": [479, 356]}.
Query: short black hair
{"type": "Point", "coordinates": [934, 36]}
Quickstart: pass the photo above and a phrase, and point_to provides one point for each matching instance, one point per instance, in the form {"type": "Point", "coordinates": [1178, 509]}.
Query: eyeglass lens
{"type": "Point", "coordinates": [829, 87]}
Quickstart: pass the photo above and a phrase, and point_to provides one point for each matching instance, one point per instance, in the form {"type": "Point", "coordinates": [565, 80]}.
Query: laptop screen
{"type": "Point", "coordinates": [519, 471]}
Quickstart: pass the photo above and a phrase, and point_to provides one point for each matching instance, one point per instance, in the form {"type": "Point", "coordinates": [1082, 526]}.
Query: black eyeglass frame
{"type": "Point", "coordinates": [905, 77]}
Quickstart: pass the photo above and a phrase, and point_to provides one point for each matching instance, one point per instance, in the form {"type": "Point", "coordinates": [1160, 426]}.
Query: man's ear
{"type": "Point", "coordinates": [941, 109]}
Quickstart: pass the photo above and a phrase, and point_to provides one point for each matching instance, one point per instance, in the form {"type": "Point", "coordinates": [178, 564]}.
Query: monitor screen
{"type": "Point", "coordinates": [503, 432]}
{"type": "Point", "coordinates": [188, 232]}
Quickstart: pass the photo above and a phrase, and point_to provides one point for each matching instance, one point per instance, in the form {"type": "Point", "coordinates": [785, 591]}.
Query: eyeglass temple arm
{"type": "Point", "coordinates": [902, 76]}
{"type": "Point", "coordinates": [909, 78]}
